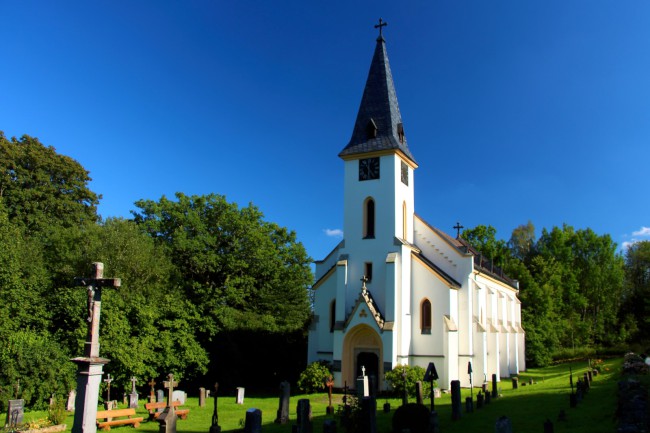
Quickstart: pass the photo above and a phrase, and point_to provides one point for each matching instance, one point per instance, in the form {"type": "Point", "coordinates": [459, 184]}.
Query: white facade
{"type": "Point", "coordinates": [430, 297]}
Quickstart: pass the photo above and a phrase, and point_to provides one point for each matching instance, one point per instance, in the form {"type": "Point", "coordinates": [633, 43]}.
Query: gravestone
{"type": "Point", "coordinates": [455, 400]}
{"type": "Point", "coordinates": [515, 382]}
{"type": "Point", "coordinates": [179, 395]}
{"type": "Point", "coordinates": [587, 385]}
{"type": "Point", "coordinates": [368, 421]}
{"type": "Point", "coordinates": [107, 402]}
{"type": "Point", "coordinates": [329, 384]}
{"type": "Point", "coordinates": [283, 405]}
{"type": "Point", "coordinates": [304, 416]}
{"type": "Point", "coordinates": [590, 375]}
{"type": "Point", "coordinates": [418, 393]}
{"type": "Point", "coordinates": [71, 400]}
{"type": "Point", "coordinates": [15, 413]}
{"type": "Point", "coordinates": [215, 428]}
{"type": "Point", "coordinates": [363, 387]}
{"type": "Point", "coordinates": [495, 393]}
{"type": "Point", "coordinates": [503, 425]}
{"type": "Point", "coordinates": [548, 426]}
{"type": "Point", "coordinates": [160, 397]}
{"type": "Point", "coordinates": [240, 395]}
{"type": "Point", "coordinates": [329, 426]}
{"type": "Point", "coordinates": [479, 400]}
{"type": "Point", "coordinates": [437, 393]}
{"type": "Point", "coordinates": [124, 400]}
{"type": "Point", "coordinates": [488, 398]}
{"type": "Point", "coordinates": [90, 365]}
{"type": "Point", "coordinates": [133, 397]}
{"type": "Point", "coordinates": [167, 419]}
{"type": "Point", "coordinates": [469, 405]}
{"type": "Point", "coordinates": [152, 391]}
{"type": "Point", "coordinates": [253, 423]}
{"type": "Point", "coordinates": [201, 397]}
{"type": "Point", "coordinates": [412, 417]}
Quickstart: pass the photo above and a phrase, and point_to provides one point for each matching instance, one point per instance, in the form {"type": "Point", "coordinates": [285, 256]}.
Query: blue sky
{"type": "Point", "coordinates": [514, 110]}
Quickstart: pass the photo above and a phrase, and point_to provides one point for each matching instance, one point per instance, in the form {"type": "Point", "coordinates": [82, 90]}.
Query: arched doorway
{"type": "Point", "coordinates": [362, 347]}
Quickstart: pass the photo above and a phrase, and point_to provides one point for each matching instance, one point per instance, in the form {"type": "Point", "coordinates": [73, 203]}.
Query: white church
{"type": "Point", "coordinates": [396, 290]}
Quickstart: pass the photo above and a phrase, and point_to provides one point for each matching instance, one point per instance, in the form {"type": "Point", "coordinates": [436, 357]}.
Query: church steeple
{"type": "Point", "coordinates": [379, 123]}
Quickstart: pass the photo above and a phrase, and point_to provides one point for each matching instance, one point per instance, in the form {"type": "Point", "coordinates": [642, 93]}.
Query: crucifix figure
{"type": "Point", "coordinates": [152, 383]}
{"type": "Point", "coordinates": [108, 381]}
{"type": "Point", "coordinates": [379, 26]}
{"type": "Point", "coordinates": [457, 227]}
{"type": "Point", "coordinates": [90, 365]}
{"type": "Point", "coordinates": [329, 384]}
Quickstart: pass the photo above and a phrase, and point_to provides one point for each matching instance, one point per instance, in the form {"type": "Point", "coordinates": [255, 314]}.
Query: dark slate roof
{"type": "Point", "coordinates": [378, 105]}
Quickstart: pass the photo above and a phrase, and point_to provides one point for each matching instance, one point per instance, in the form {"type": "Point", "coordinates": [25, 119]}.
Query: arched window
{"type": "Point", "coordinates": [425, 316]}
{"type": "Point", "coordinates": [332, 315]}
{"type": "Point", "coordinates": [369, 219]}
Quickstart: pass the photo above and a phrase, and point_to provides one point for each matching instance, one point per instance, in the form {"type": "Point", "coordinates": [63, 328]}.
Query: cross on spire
{"type": "Point", "coordinates": [457, 227]}
{"type": "Point", "coordinates": [381, 24]}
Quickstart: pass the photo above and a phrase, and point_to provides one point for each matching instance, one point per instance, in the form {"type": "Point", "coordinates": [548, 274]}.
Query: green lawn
{"type": "Point", "coordinates": [527, 407]}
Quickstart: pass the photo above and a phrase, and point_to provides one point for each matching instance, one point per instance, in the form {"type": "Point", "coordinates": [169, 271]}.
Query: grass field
{"type": "Point", "coordinates": [527, 407]}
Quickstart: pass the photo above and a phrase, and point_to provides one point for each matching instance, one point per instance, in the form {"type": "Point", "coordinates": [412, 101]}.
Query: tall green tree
{"type": "Point", "coordinates": [484, 239]}
{"type": "Point", "coordinates": [41, 188]}
{"type": "Point", "coordinates": [240, 271]}
{"type": "Point", "coordinates": [522, 241]}
{"type": "Point", "coordinates": [636, 297]}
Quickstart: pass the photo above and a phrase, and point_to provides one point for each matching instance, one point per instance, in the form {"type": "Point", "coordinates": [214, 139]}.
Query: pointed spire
{"type": "Point", "coordinates": [379, 122]}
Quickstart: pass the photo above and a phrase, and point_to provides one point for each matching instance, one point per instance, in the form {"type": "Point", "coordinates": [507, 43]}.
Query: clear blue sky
{"type": "Point", "coordinates": [515, 110]}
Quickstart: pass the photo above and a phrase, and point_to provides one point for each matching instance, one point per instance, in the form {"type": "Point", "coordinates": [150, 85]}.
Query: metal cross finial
{"type": "Point", "coordinates": [364, 280]}
{"type": "Point", "coordinates": [458, 227]}
{"type": "Point", "coordinates": [379, 26]}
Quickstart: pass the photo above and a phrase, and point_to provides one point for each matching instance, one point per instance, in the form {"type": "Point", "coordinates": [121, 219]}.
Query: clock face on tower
{"type": "Point", "coordinates": [369, 168]}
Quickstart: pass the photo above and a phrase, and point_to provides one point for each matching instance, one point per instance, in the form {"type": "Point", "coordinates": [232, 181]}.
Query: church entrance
{"type": "Point", "coordinates": [368, 364]}
{"type": "Point", "coordinates": [362, 349]}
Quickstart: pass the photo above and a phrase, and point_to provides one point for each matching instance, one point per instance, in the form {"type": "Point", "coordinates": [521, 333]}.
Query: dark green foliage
{"type": "Point", "coordinates": [412, 417]}
{"type": "Point", "coordinates": [41, 188]}
{"type": "Point", "coordinates": [314, 377]}
{"type": "Point", "coordinates": [56, 413]}
{"type": "Point", "coordinates": [240, 271]}
{"type": "Point", "coordinates": [395, 378]}
{"type": "Point", "coordinates": [40, 365]}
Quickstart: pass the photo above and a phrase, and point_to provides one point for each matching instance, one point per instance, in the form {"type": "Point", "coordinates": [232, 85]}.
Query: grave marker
{"type": "Point", "coordinates": [455, 400]}
{"type": "Point", "coordinates": [152, 391]}
{"type": "Point", "coordinates": [253, 422]}
{"type": "Point", "coordinates": [503, 425]}
{"type": "Point", "coordinates": [71, 399]}
{"type": "Point", "coordinates": [418, 392]}
{"type": "Point", "coordinates": [240, 395]}
{"type": "Point", "coordinates": [283, 406]}
{"type": "Point", "coordinates": [215, 428]}
{"type": "Point", "coordinates": [89, 366]}
{"type": "Point", "coordinates": [133, 397]}
{"type": "Point", "coordinates": [168, 417]}
{"type": "Point", "coordinates": [329, 384]}
{"type": "Point", "coordinates": [304, 416]}
{"type": "Point", "coordinates": [15, 413]}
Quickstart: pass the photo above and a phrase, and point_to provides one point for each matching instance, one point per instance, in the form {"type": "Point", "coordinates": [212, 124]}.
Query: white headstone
{"type": "Point", "coordinates": [71, 400]}
{"type": "Point", "coordinates": [179, 395]}
{"type": "Point", "coordinates": [240, 395]}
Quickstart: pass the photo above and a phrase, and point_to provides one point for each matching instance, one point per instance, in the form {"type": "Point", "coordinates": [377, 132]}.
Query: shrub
{"type": "Point", "coordinates": [56, 413]}
{"type": "Point", "coordinates": [396, 379]}
{"type": "Point", "coordinates": [314, 377]}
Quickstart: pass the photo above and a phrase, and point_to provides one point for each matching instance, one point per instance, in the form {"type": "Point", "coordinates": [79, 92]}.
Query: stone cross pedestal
{"type": "Point", "coordinates": [133, 397]}
{"type": "Point", "coordinates": [90, 366]}
{"type": "Point", "coordinates": [215, 428]}
{"type": "Point", "coordinates": [152, 391]}
{"type": "Point", "coordinates": [168, 417]}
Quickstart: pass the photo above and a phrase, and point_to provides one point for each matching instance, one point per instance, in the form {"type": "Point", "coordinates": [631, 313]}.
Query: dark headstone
{"type": "Point", "coordinates": [561, 416]}
{"type": "Point", "coordinates": [15, 413]}
{"type": "Point", "coordinates": [469, 405]}
{"type": "Point", "coordinates": [304, 416]}
{"type": "Point", "coordinates": [484, 387]}
{"type": "Point", "coordinates": [253, 422]}
{"type": "Point", "coordinates": [515, 382]}
{"type": "Point", "coordinates": [479, 400]}
{"type": "Point", "coordinates": [495, 393]}
{"type": "Point", "coordinates": [590, 376]}
{"type": "Point", "coordinates": [283, 406]}
{"type": "Point", "coordinates": [503, 425]}
{"type": "Point", "coordinates": [455, 400]}
{"type": "Point", "coordinates": [329, 426]}
{"type": "Point", "coordinates": [586, 382]}
{"type": "Point", "coordinates": [368, 419]}
{"type": "Point", "coordinates": [418, 393]}
{"type": "Point", "coordinates": [386, 407]}
{"type": "Point", "coordinates": [412, 417]}
{"type": "Point", "coordinates": [201, 397]}
{"type": "Point", "coordinates": [548, 426]}
{"type": "Point", "coordinates": [363, 387]}
{"type": "Point", "coordinates": [434, 423]}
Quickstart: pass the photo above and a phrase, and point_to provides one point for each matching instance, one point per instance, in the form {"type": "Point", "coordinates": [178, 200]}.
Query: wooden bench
{"type": "Point", "coordinates": [111, 415]}
{"type": "Point", "coordinates": [154, 414]}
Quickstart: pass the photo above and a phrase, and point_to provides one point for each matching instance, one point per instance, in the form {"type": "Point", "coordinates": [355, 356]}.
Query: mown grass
{"type": "Point", "coordinates": [527, 407]}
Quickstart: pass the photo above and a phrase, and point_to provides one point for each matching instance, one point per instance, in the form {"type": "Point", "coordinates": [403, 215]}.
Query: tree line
{"type": "Point", "coordinates": [209, 287]}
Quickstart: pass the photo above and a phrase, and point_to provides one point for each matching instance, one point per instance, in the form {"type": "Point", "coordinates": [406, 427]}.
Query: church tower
{"type": "Point", "coordinates": [396, 290]}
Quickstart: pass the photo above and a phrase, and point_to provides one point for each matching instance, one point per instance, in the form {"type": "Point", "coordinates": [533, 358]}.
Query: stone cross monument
{"type": "Point", "coordinates": [89, 366]}
{"type": "Point", "coordinates": [167, 419]}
